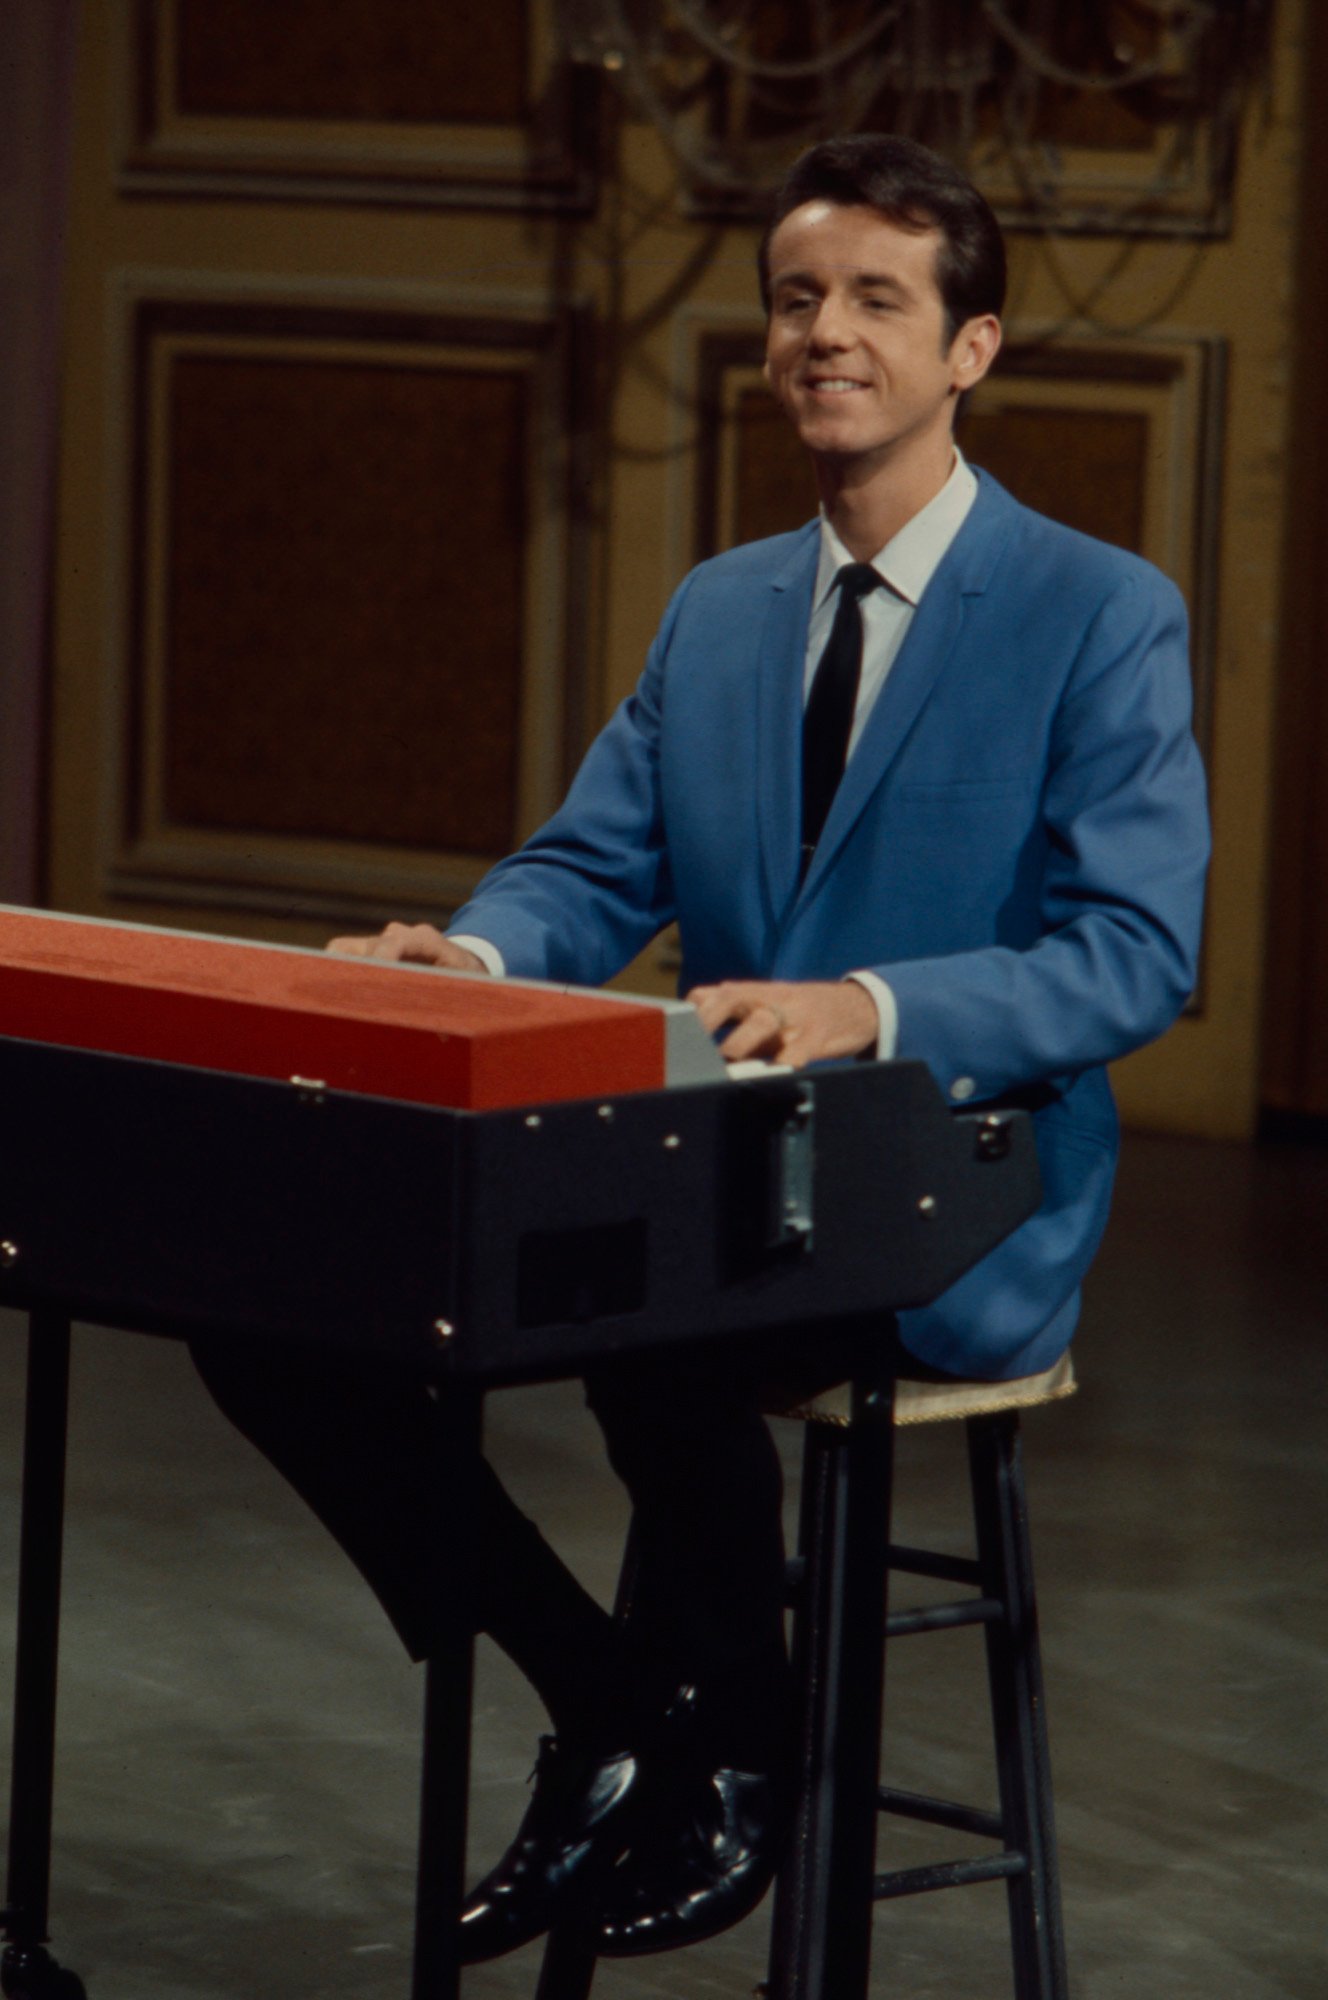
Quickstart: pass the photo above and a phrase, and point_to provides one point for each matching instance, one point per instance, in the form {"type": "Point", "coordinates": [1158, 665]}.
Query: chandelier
{"type": "Point", "coordinates": [1115, 116]}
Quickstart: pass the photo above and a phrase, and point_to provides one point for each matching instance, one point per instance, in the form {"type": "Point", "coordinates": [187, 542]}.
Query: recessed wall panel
{"type": "Point", "coordinates": [357, 100]}
{"type": "Point", "coordinates": [376, 60]}
{"type": "Point", "coordinates": [352, 599]}
{"type": "Point", "coordinates": [344, 577]}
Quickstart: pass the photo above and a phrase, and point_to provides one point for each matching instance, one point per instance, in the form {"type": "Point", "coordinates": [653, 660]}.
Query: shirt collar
{"type": "Point", "coordinates": [907, 561]}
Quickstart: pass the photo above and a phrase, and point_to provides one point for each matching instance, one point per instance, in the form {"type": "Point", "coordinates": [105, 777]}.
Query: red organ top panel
{"type": "Point", "coordinates": [468, 1042]}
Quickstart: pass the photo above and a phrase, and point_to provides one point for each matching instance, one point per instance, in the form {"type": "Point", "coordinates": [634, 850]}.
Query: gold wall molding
{"type": "Point", "coordinates": [347, 589]}
{"type": "Point", "coordinates": [356, 100]}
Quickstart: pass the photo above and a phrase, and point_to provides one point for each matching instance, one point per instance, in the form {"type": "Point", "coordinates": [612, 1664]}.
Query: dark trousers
{"type": "Point", "coordinates": [439, 1540]}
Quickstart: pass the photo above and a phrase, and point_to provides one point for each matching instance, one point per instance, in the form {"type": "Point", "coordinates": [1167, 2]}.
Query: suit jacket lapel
{"type": "Point", "coordinates": [781, 657]}
{"type": "Point", "coordinates": [929, 644]}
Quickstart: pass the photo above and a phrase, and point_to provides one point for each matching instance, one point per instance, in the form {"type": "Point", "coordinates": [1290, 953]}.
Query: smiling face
{"type": "Point", "coordinates": [858, 350]}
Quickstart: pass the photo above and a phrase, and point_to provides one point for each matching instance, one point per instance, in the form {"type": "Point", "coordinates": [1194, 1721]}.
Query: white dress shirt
{"type": "Point", "coordinates": [906, 565]}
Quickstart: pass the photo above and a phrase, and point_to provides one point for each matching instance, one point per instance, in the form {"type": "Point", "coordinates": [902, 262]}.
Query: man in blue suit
{"type": "Point", "coordinates": [916, 780]}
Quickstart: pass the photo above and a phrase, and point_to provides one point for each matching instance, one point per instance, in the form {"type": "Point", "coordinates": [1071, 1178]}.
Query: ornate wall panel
{"type": "Point", "coordinates": [350, 589]}
{"type": "Point", "coordinates": [358, 100]}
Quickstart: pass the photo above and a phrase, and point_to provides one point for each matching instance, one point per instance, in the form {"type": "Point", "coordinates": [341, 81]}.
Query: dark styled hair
{"type": "Point", "coordinates": [914, 187]}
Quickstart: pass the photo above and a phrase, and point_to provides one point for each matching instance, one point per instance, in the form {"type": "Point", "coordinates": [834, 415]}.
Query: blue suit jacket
{"type": "Point", "coordinates": [1017, 847]}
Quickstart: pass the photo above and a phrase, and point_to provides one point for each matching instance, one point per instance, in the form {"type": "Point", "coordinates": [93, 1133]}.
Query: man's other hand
{"type": "Point", "coordinates": [789, 1021]}
{"type": "Point", "coordinates": [409, 944]}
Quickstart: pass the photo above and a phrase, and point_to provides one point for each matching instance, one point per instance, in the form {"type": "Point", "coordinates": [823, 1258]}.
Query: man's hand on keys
{"type": "Point", "coordinates": [409, 944]}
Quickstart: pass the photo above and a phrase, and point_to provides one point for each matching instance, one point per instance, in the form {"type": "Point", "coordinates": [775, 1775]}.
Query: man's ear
{"type": "Point", "coordinates": [973, 350]}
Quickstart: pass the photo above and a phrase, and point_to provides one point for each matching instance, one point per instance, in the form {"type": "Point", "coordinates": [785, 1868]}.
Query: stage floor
{"type": "Point", "coordinates": [236, 1792]}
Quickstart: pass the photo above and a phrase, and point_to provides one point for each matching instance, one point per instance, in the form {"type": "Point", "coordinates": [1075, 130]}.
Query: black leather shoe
{"type": "Point", "coordinates": [703, 1873]}
{"type": "Point", "coordinates": [581, 1816]}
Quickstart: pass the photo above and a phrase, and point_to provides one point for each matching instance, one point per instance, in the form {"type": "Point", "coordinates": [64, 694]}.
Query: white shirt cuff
{"type": "Point", "coordinates": [887, 1013]}
{"type": "Point", "coordinates": [488, 954]}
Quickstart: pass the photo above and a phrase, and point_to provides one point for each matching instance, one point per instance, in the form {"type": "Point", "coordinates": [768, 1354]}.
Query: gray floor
{"type": "Point", "coordinates": [236, 1799]}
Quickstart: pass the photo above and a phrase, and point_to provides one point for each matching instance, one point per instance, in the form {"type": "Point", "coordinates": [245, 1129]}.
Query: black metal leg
{"type": "Point", "coordinates": [567, 1970]}
{"type": "Point", "coordinates": [27, 1970]}
{"type": "Point", "coordinates": [802, 1875]}
{"type": "Point", "coordinates": [445, 1782]}
{"type": "Point", "coordinates": [821, 1944]}
{"type": "Point", "coordinates": [440, 1884]}
{"type": "Point", "coordinates": [1019, 1716]}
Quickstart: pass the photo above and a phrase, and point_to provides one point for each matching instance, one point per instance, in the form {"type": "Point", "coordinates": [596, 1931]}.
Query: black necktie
{"type": "Point", "coordinates": [827, 721]}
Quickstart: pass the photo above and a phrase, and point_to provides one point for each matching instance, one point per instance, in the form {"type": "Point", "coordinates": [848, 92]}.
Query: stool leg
{"type": "Point", "coordinates": [821, 1943]}
{"type": "Point", "coordinates": [1014, 1665]}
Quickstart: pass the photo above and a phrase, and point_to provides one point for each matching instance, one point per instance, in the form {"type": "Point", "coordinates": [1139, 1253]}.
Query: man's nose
{"type": "Point", "coordinates": [830, 328]}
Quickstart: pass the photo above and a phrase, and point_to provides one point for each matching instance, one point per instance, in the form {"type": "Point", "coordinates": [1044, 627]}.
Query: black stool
{"type": "Point", "coordinates": [821, 1943]}
{"type": "Point", "coordinates": [827, 1888]}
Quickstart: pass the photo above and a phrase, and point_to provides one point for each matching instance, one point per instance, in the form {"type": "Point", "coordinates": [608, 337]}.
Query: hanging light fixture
{"type": "Point", "coordinates": [1117, 116]}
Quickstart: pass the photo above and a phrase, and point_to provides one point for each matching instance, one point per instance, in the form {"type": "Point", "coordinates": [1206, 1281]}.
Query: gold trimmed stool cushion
{"type": "Point", "coordinates": [941, 1402]}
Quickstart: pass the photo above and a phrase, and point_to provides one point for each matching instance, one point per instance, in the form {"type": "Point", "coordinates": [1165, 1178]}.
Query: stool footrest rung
{"type": "Point", "coordinates": [944, 1617]}
{"type": "Point", "coordinates": [927, 1562]}
{"type": "Point", "coordinates": [946, 1875]}
{"type": "Point", "coordinates": [940, 1812]}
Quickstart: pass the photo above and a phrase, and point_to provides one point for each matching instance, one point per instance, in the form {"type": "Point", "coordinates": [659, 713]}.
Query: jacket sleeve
{"type": "Point", "coordinates": [1125, 825]}
{"type": "Point", "coordinates": [592, 887]}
